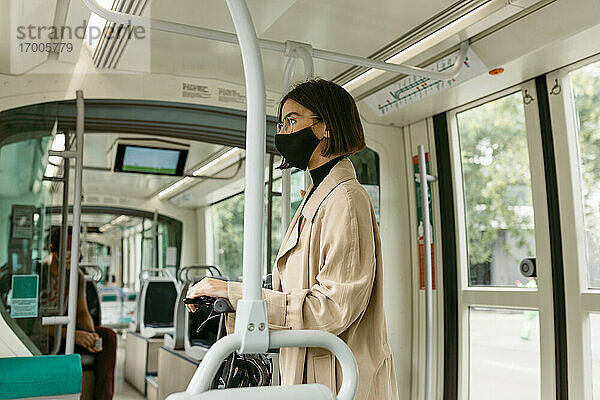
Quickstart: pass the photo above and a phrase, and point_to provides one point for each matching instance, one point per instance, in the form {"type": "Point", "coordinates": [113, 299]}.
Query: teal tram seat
{"type": "Point", "coordinates": [40, 377]}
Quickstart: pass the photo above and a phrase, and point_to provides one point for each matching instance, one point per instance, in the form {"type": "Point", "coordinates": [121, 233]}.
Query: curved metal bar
{"type": "Point", "coordinates": [183, 272]}
{"type": "Point", "coordinates": [97, 275]}
{"type": "Point", "coordinates": [204, 375]}
{"type": "Point", "coordinates": [206, 371]}
{"type": "Point", "coordinates": [211, 34]}
{"type": "Point", "coordinates": [146, 273]}
{"type": "Point", "coordinates": [326, 340]}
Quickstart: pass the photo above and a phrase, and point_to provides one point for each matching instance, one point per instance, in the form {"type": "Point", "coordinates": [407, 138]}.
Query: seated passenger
{"type": "Point", "coordinates": [86, 333]}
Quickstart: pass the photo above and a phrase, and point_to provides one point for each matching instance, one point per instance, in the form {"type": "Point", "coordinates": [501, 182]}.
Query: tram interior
{"type": "Point", "coordinates": [163, 178]}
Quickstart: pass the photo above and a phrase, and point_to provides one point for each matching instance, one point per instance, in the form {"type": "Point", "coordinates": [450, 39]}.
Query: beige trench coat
{"type": "Point", "coordinates": [328, 275]}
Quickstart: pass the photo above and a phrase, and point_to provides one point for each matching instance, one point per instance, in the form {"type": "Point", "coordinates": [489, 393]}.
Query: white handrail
{"type": "Point", "coordinates": [255, 149]}
{"type": "Point", "coordinates": [424, 179]}
{"type": "Point", "coordinates": [74, 273]}
{"type": "Point", "coordinates": [189, 30]}
{"type": "Point", "coordinates": [204, 375]}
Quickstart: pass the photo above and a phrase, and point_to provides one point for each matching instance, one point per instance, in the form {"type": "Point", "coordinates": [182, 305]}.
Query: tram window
{"type": "Point", "coordinates": [228, 235]}
{"type": "Point", "coordinates": [23, 229]}
{"type": "Point", "coordinates": [504, 346]}
{"type": "Point", "coordinates": [497, 191]}
{"type": "Point", "coordinates": [366, 164]}
{"type": "Point", "coordinates": [228, 226]}
{"type": "Point", "coordinates": [586, 91]}
{"type": "Point", "coordinates": [169, 235]}
{"type": "Point", "coordinates": [99, 254]}
{"type": "Point", "coordinates": [595, 349]}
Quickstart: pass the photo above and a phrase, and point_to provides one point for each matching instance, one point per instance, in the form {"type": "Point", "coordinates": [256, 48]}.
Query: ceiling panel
{"type": "Point", "coordinates": [347, 26]}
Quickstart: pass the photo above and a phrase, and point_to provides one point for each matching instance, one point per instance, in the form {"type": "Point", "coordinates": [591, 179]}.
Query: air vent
{"type": "Point", "coordinates": [114, 40]}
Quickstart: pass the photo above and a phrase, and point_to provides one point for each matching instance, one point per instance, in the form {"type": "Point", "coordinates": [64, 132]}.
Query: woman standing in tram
{"type": "Point", "coordinates": [328, 273]}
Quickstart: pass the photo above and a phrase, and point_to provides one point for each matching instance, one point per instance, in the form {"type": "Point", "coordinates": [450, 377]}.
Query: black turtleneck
{"type": "Point", "coordinates": [319, 173]}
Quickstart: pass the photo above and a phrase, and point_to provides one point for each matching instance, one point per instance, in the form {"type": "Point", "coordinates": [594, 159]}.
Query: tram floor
{"type": "Point", "coordinates": [123, 390]}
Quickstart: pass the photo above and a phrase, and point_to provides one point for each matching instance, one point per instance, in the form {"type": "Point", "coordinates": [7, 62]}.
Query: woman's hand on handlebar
{"type": "Point", "coordinates": [206, 287]}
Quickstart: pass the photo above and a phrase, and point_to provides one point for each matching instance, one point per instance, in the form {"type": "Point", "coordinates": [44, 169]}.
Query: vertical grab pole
{"type": "Point", "coordinates": [74, 274]}
{"type": "Point", "coordinates": [309, 71]}
{"type": "Point", "coordinates": [305, 55]}
{"type": "Point", "coordinates": [269, 213]}
{"type": "Point", "coordinates": [62, 257]}
{"type": "Point", "coordinates": [255, 149]}
{"type": "Point", "coordinates": [286, 174]}
{"type": "Point", "coordinates": [424, 179]}
{"type": "Point", "coordinates": [155, 240]}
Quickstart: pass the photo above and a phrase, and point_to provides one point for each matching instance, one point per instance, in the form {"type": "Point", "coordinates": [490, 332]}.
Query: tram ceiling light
{"type": "Point", "coordinates": [201, 171]}
{"type": "Point", "coordinates": [438, 36]}
{"type": "Point", "coordinates": [174, 186]}
{"type": "Point", "coordinates": [120, 220]}
{"type": "Point", "coordinates": [105, 227]}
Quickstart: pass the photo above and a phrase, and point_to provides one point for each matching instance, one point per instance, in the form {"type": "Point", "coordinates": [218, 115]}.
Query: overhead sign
{"type": "Point", "coordinates": [24, 302]}
{"type": "Point", "coordinates": [414, 88]}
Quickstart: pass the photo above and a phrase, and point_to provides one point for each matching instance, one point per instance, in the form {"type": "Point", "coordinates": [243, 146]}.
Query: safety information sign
{"type": "Point", "coordinates": [420, 222]}
{"type": "Point", "coordinates": [22, 221]}
{"type": "Point", "coordinates": [414, 88]}
{"type": "Point", "coordinates": [24, 302]}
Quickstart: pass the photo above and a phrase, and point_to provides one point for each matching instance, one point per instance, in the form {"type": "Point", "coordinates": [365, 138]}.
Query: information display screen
{"type": "Point", "coordinates": [150, 160]}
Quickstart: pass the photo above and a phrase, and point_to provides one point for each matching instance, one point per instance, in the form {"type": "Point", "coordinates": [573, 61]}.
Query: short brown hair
{"type": "Point", "coordinates": [336, 107]}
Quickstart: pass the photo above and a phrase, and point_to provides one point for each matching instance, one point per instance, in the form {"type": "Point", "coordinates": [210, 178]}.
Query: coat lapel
{"type": "Point", "coordinates": [291, 235]}
{"type": "Point", "coordinates": [341, 172]}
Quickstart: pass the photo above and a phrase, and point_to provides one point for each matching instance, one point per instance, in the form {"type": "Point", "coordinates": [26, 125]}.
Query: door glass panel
{"type": "Point", "coordinates": [586, 92]}
{"type": "Point", "coordinates": [504, 354]}
{"type": "Point", "coordinates": [595, 348]}
{"type": "Point", "coordinates": [497, 192]}
{"type": "Point", "coordinates": [228, 235]}
{"type": "Point", "coordinates": [26, 268]}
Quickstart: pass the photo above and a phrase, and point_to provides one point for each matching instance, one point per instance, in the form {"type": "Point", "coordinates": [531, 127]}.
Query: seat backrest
{"type": "Point", "coordinates": [158, 299]}
{"type": "Point", "coordinates": [93, 300]}
{"type": "Point", "coordinates": [175, 340]}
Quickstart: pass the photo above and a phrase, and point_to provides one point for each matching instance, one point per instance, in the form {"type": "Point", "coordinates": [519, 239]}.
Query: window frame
{"type": "Point", "coordinates": [580, 298]}
{"type": "Point", "coordinates": [505, 297]}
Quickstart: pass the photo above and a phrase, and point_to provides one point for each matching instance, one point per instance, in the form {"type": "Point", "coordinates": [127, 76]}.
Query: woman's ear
{"type": "Point", "coordinates": [321, 130]}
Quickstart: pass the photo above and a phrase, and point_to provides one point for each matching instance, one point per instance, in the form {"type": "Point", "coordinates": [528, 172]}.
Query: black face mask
{"type": "Point", "coordinates": [297, 147]}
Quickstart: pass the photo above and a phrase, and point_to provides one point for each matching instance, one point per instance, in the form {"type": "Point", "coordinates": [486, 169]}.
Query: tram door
{"type": "Point", "coordinates": [506, 342]}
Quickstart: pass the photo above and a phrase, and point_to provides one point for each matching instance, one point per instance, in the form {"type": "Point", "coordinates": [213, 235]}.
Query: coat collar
{"type": "Point", "coordinates": [343, 171]}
